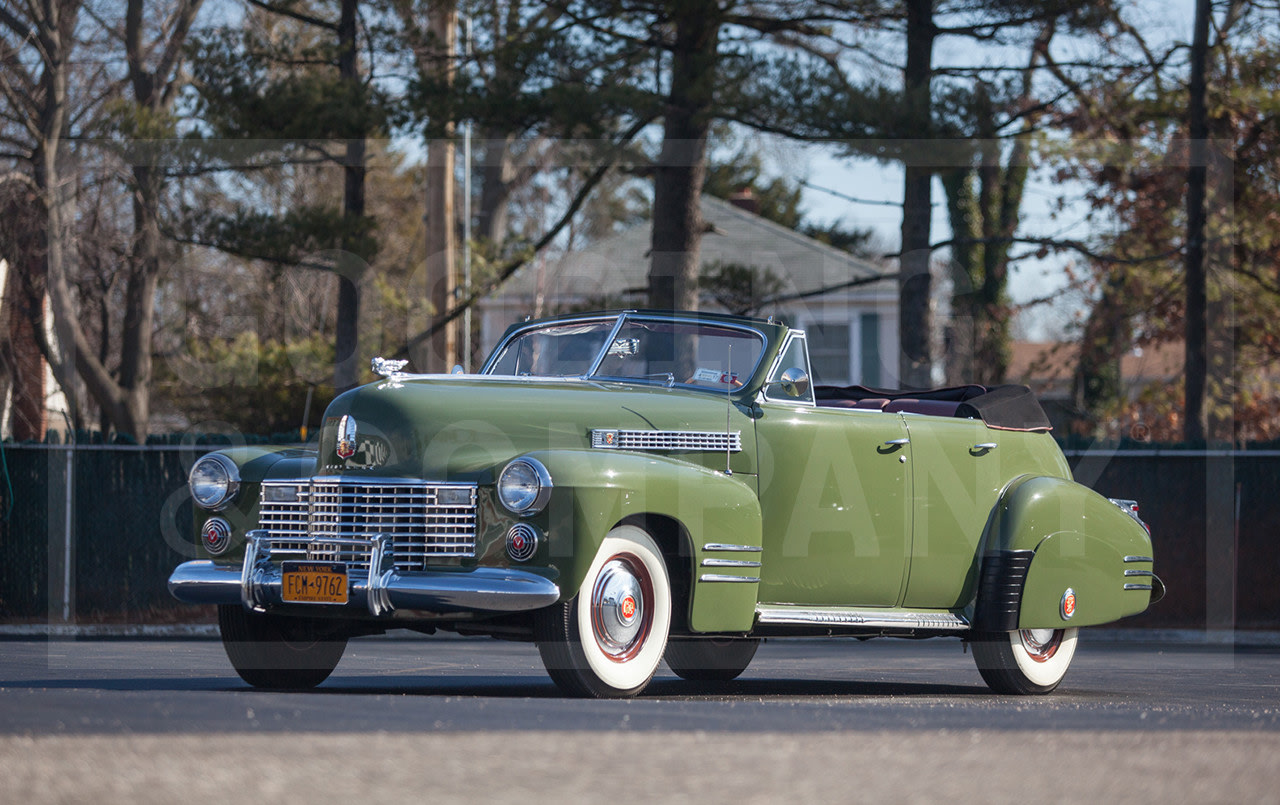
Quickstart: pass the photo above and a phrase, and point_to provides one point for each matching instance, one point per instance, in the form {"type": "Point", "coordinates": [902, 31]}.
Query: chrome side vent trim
{"type": "Point", "coordinates": [716, 577]}
{"type": "Point", "coordinates": [678, 441]}
{"type": "Point", "coordinates": [729, 563]}
{"type": "Point", "coordinates": [721, 546]}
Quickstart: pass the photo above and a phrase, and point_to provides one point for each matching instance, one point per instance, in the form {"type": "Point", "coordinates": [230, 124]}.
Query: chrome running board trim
{"type": "Point", "coordinates": [873, 619]}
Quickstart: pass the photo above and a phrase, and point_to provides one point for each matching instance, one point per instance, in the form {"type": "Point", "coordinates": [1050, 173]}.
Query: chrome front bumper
{"type": "Point", "coordinates": [258, 583]}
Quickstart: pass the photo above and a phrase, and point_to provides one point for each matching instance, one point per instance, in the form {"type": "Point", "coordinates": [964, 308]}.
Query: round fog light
{"type": "Point", "coordinates": [216, 536]}
{"type": "Point", "coordinates": [522, 542]}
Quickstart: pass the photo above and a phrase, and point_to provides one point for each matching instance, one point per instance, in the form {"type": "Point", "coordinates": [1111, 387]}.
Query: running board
{"type": "Point", "coordinates": [860, 618]}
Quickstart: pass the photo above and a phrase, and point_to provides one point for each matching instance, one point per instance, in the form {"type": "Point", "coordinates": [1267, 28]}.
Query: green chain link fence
{"type": "Point", "coordinates": [100, 548]}
{"type": "Point", "coordinates": [104, 551]}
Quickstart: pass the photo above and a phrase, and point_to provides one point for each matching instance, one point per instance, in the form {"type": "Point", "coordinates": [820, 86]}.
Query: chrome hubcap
{"type": "Point", "coordinates": [619, 616]}
{"type": "Point", "coordinates": [1041, 644]}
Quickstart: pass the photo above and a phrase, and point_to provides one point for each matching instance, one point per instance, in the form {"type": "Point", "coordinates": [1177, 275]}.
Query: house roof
{"type": "Point", "coordinates": [1050, 366]}
{"type": "Point", "coordinates": [618, 265]}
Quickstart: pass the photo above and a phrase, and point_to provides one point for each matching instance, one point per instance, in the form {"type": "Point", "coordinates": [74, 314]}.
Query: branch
{"type": "Point", "coordinates": [516, 263]}
{"type": "Point", "coordinates": [1072, 245]}
{"type": "Point", "coordinates": [14, 24]}
{"type": "Point", "coordinates": [182, 20]}
{"type": "Point", "coordinates": [1267, 285]}
{"type": "Point", "coordinates": [296, 15]}
{"type": "Point", "coordinates": [246, 254]}
{"type": "Point", "coordinates": [826, 289]}
{"type": "Point", "coordinates": [851, 199]}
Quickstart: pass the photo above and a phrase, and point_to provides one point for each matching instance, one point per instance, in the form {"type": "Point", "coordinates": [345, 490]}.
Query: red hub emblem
{"type": "Point", "coordinates": [628, 608]}
{"type": "Point", "coordinates": [1068, 604]}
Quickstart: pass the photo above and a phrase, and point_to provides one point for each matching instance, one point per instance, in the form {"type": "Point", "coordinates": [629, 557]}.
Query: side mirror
{"type": "Point", "coordinates": [794, 382]}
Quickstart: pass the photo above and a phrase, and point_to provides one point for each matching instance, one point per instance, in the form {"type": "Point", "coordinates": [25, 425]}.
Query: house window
{"type": "Point", "coordinates": [869, 349]}
{"type": "Point", "coordinates": [843, 352]}
{"type": "Point", "coordinates": [829, 353]}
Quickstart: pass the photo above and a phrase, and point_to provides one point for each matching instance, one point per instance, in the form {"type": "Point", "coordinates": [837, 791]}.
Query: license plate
{"type": "Point", "coordinates": [314, 582]}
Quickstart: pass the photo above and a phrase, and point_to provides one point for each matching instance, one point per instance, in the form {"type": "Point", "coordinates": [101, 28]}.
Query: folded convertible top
{"type": "Point", "coordinates": [1010, 407]}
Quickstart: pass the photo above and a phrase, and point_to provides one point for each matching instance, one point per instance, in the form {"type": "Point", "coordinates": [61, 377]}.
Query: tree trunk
{"type": "Point", "coordinates": [915, 285]}
{"type": "Point", "coordinates": [678, 179]}
{"type": "Point", "coordinates": [1197, 365]}
{"type": "Point", "coordinates": [496, 176]}
{"type": "Point", "coordinates": [351, 266]}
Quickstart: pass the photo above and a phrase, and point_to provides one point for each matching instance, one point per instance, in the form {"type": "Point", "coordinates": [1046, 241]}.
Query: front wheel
{"type": "Point", "coordinates": [278, 652]}
{"type": "Point", "coordinates": [1026, 661]}
{"type": "Point", "coordinates": [607, 641]}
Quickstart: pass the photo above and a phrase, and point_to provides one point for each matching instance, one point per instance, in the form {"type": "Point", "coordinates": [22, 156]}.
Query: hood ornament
{"type": "Point", "coordinates": [387, 368]}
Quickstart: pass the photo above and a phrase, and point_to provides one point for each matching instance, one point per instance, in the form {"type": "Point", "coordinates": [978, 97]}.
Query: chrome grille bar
{"type": "Point", "coordinates": [335, 519]}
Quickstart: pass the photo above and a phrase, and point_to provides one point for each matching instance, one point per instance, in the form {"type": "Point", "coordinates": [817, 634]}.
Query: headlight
{"type": "Point", "coordinates": [524, 486]}
{"type": "Point", "coordinates": [214, 482]}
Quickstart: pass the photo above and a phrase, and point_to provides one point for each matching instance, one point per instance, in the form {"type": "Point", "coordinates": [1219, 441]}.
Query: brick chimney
{"type": "Point", "coordinates": [745, 199]}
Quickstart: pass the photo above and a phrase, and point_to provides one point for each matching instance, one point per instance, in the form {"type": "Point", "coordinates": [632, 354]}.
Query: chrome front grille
{"type": "Point", "coordinates": [335, 520]}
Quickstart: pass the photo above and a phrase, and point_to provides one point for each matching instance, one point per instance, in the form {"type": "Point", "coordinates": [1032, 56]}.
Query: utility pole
{"type": "Point", "coordinates": [442, 246]}
{"type": "Point", "coordinates": [1197, 363]}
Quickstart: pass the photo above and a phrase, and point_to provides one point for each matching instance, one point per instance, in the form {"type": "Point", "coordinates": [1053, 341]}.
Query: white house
{"type": "Point", "coordinates": [847, 305]}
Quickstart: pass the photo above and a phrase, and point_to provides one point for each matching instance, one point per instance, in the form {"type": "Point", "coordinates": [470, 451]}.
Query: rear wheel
{"type": "Point", "coordinates": [710, 659]}
{"type": "Point", "coordinates": [1026, 661]}
{"type": "Point", "coordinates": [607, 641]}
{"type": "Point", "coordinates": [274, 651]}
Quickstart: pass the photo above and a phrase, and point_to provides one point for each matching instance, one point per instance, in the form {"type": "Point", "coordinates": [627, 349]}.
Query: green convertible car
{"type": "Point", "coordinates": [627, 487]}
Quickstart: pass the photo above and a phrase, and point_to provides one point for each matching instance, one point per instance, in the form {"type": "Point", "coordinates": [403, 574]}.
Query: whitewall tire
{"type": "Point", "coordinates": [1025, 661]}
{"type": "Point", "coordinates": [607, 641]}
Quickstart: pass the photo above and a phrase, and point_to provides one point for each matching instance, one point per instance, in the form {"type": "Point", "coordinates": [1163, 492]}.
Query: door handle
{"type": "Point", "coordinates": [897, 442]}
{"type": "Point", "coordinates": [985, 447]}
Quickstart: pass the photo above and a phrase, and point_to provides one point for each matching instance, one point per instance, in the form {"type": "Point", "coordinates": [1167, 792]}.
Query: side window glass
{"type": "Point", "coordinates": [794, 356]}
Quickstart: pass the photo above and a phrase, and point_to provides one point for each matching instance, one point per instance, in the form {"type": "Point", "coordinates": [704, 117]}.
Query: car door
{"type": "Point", "coordinates": [959, 468]}
{"type": "Point", "coordinates": [835, 491]}
{"type": "Point", "coordinates": [955, 466]}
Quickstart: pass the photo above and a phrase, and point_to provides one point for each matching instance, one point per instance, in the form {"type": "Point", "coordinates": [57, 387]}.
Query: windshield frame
{"type": "Point", "coordinates": [619, 321]}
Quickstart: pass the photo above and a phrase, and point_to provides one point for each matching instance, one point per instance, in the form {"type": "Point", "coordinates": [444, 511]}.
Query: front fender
{"type": "Point", "coordinates": [595, 490]}
{"type": "Point", "coordinates": [1060, 537]}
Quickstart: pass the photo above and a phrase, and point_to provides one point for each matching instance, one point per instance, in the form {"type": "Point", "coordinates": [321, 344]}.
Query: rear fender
{"type": "Point", "coordinates": [1059, 554]}
{"type": "Point", "coordinates": [595, 490]}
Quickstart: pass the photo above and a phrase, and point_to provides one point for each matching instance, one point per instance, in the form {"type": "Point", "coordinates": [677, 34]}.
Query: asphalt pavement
{"type": "Point", "coordinates": [472, 720]}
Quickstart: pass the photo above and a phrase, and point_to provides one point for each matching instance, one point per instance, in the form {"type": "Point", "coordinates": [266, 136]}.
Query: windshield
{"type": "Point", "coordinates": [563, 350]}
{"type": "Point", "coordinates": [657, 350]}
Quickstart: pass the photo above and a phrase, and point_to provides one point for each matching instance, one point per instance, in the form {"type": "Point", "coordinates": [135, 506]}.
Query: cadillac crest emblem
{"type": "Point", "coordinates": [346, 437]}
